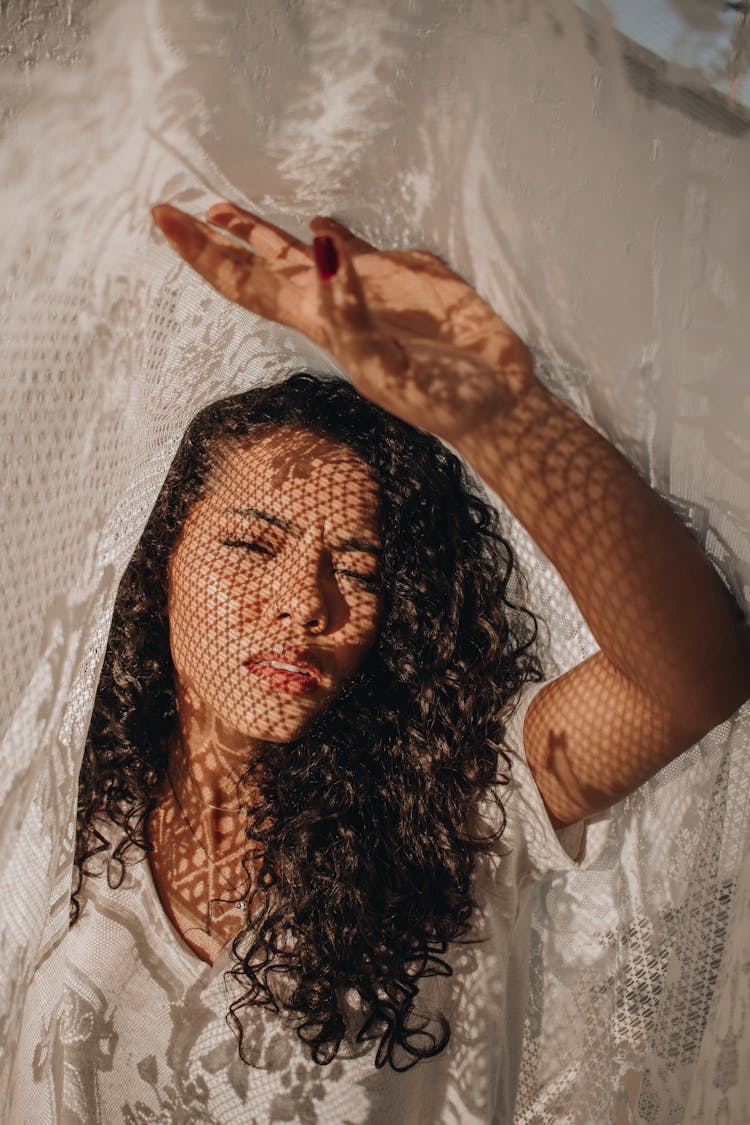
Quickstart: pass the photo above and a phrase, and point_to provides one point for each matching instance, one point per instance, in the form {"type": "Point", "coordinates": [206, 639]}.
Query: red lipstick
{"type": "Point", "coordinates": [293, 670]}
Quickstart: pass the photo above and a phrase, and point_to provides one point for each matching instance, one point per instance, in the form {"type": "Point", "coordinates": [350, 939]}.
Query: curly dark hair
{"type": "Point", "coordinates": [362, 825]}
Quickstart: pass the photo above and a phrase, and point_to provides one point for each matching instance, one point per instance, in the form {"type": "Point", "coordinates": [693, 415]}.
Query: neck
{"type": "Point", "coordinates": [206, 764]}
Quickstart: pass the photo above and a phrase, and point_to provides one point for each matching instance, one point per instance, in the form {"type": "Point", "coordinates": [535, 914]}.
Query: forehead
{"type": "Point", "coordinates": [303, 473]}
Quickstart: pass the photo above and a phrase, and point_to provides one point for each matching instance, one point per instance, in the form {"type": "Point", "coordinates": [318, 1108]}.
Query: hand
{"type": "Point", "coordinates": [410, 333]}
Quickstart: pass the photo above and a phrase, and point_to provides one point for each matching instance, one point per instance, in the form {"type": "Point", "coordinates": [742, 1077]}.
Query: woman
{"type": "Point", "coordinates": [320, 738]}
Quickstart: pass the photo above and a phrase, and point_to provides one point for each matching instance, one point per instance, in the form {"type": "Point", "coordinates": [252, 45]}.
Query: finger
{"type": "Point", "coordinates": [236, 273]}
{"type": "Point", "coordinates": [323, 224]}
{"type": "Point", "coordinates": [265, 238]}
{"type": "Point", "coordinates": [239, 275]}
{"type": "Point", "coordinates": [184, 232]}
{"type": "Point", "coordinates": [368, 354]}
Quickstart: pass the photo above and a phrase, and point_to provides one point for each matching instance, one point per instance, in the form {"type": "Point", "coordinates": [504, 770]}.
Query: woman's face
{"type": "Point", "coordinates": [273, 600]}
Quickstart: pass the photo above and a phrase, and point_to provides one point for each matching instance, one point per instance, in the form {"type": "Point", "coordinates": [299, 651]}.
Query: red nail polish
{"type": "Point", "coordinates": [326, 258]}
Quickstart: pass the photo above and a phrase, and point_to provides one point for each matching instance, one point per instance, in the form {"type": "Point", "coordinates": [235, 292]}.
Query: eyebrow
{"type": "Point", "coordinates": [357, 545]}
{"type": "Point", "coordinates": [352, 544]}
{"type": "Point", "coordinates": [277, 521]}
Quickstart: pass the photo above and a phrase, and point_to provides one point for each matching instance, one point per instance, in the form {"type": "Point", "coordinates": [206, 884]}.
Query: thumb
{"type": "Point", "coordinates": [357, 341]}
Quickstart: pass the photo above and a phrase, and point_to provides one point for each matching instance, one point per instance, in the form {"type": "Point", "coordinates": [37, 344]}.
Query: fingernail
{"type": "Point", "coordinates": [326, 258]}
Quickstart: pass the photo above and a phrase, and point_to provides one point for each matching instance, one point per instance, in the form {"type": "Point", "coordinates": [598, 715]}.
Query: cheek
{"type": "Point", "coordinates": [211, 601]}
{"type": "Point", "coordinates": [360, 634]}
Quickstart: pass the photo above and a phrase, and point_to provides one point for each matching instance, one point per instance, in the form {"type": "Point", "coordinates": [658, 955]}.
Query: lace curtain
{"type": "Point", "coordinates": [596, 196]}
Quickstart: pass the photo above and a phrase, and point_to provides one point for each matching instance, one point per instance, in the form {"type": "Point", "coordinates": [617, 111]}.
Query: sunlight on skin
{"type": "Point", "coordinates": [277, 565]}
{"type": "Point", "coordinates": [404, 326]}
{"type": "Point", "coordinates": [415, 338]}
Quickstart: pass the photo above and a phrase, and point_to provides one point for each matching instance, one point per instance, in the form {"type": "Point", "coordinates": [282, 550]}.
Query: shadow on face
{"type": "Point", "coordinates": [273, 585]}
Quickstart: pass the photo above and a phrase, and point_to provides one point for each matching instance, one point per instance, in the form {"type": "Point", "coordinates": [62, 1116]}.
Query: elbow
{"type": "Point", "coordinates": [724, 688]}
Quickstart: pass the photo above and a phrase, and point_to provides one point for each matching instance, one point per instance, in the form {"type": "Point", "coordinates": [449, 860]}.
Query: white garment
{"type": "Point", "coordinates": [596, 197]}
{"type": "Point", "coordinates": [144, 1036]}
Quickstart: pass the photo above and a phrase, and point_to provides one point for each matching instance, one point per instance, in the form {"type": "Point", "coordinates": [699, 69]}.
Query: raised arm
{"type": "Point", "coordinates": [675, 652]}
{"type": "Point", "coordinates": [414, 337]}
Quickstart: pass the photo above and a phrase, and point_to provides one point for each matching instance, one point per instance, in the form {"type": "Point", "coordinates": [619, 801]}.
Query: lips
{"type": "Point", "coordinates": [294, 670]}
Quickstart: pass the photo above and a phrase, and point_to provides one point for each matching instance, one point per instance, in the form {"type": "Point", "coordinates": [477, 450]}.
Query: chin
{"type": "Point", "coordinates": [279, 731]}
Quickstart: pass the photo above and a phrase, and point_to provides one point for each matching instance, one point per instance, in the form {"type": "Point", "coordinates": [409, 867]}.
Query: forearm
{"type": "Point", "coordinates": [652, 600]}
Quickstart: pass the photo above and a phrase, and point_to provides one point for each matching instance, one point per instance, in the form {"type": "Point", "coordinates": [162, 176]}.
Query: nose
{"type": "Point", "coordinates": [301, 596]}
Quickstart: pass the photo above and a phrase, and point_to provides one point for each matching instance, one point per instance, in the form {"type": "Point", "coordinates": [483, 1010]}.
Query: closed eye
{"type": "Point", "coordinates": [248, 545]}
{"type": "Point", "coordinates": [369, 580]}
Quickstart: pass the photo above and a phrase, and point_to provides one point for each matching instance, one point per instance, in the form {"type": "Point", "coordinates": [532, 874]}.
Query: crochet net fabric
{"type": "Point", "coordinates": [596, 195]}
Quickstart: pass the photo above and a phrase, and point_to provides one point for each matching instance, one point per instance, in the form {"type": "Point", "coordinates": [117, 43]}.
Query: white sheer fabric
{"type": "Point", "coordinates": [597, 198]}
{"type": "Point", "coordinates": [143, 1036]}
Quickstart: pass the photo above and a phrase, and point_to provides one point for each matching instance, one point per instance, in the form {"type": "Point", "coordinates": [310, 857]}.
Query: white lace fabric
{"type": "Point", "coordinates": [143, 1034]}
{"type": "Point", "coordinates": [597, 199]}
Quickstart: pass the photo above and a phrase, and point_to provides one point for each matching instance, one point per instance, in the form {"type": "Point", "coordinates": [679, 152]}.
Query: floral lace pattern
{"type": "Point", "coordinates": [601, 209]}
{"type": "Point", "coordinates": [141, 1035]}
